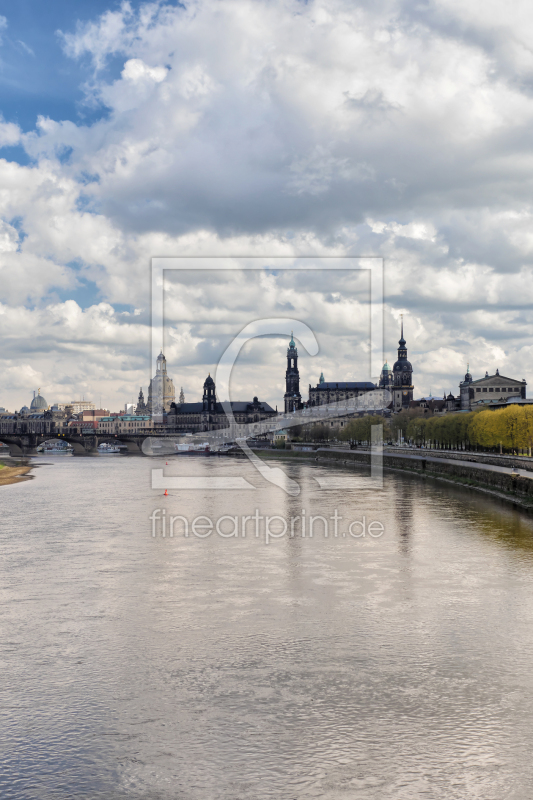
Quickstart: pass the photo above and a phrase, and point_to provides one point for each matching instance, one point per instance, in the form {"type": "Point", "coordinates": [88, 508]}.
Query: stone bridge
{"type": "Point", "coordinates": [84, 444]}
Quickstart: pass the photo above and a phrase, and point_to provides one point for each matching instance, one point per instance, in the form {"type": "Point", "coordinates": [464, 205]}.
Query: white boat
{"type": "Point", "coordinates": [106, 449]}
{"type": "Point", "coordinates": [195, 449]}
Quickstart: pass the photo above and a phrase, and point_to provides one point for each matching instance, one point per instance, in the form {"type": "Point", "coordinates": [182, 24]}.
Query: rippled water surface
{"type": "Point", "coordinates": [225, 668]}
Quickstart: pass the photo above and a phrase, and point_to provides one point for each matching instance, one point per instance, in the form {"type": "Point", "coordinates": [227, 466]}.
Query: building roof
{"type": "Point", "coordinates": [236, 405]}
{"type": "Point", "coordinates": [38, 402]}
{"type": "Point", "coordinates": [346, 385]}
{"type": "Point", "coordinates": [497, 375]}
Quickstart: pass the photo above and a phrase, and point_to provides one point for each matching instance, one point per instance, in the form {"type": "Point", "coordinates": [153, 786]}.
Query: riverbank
{"type": "Point", "coordinates": [12, 474]}
{"type": "Point", "coordinates": [497, 482]}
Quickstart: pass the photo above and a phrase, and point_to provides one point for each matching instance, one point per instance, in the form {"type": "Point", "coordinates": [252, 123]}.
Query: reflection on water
{"type": "Point", "coordinates": [340, 667]}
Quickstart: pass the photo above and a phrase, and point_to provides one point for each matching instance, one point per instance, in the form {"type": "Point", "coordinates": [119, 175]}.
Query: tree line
{"type": "Point", "coordinates": [509, 429]}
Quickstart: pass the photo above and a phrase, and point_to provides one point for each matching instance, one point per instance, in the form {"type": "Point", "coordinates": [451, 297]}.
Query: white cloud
{"type": "Point", "coordinates": [9, 133]}
{"type": "Point", "coordinates": [282, 128]}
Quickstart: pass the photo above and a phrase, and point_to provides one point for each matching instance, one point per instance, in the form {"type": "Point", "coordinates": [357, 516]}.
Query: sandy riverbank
{"type": "Point", "coordinates": [10, 475]}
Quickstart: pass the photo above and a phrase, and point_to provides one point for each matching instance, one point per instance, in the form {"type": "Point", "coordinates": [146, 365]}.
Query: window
{"type": "Point", "coordinates": [491, 389]}
{"type": "Point", "coordinates": [484, 390]}
{"type": "Point", "coordinates": [496, 389]}
{"type": "Point", "coordinates": [478, 390]}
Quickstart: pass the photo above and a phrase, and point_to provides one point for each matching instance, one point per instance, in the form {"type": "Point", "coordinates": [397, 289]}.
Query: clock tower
{"type": "Point", "coordinates": [402, 372]}
{"type": "Point", "coordinates": [293, 398]}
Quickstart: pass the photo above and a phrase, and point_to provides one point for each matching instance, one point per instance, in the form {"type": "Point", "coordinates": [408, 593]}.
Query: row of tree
{"type": "Point", "coordinates": [506, 429]}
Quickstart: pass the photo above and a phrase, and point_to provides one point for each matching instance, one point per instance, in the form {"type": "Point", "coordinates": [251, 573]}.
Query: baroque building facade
{"type": "Point", "coordinates": [490, 389]}
{"type": "Point", "coordinates": [209, 414]}
{"type": "Point", "coordinates": [398, 381]}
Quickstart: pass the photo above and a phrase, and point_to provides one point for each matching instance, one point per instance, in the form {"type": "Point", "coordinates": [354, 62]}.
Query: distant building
{"type": "Point", "coordinates": [209, 415]}
{"type": "Point", "coordinates": [337, 391]}
{"type": "Point", "coordinates": [483, 391]}
{"type": "Point", "coordinates": [141, 408]}
{"type": "Point", "coordinates": [386, 380]}
{"type": "Point", "coordinates": [402, 371]}
{"type": "Point", "coordinates": [124, 423]}
{"type": "Point", "coordinates": [74, 406]}
{"type": "Point", "coordinates": [430, 405]}
{"type": "Point", "coordinates": [38, 404]}
{"type": "Point", "coordinates": [292, 397]}
{"type": "Point", "coordinates": [161, 392]}
{"type": "Point", "coordinates": [90, 418]}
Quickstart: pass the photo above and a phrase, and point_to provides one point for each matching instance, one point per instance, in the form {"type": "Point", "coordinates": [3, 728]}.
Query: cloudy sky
{"type": "Point", "coordinates": [227, 127]}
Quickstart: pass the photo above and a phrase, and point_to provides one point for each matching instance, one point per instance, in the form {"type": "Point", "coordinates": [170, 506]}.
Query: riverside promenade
{"type": "Point", "coordinates": [506, 477]}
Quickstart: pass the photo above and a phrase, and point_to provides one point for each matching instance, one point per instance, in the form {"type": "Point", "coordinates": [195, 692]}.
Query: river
{"type": "Point", "coordinates": [209, 667]}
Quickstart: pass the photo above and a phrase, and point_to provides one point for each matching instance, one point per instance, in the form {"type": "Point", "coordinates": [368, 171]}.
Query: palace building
{"type": "Point", "coordinates": [398, 381]}
{"type": "Point", "coordinates": [209, 414]}
{"type": "Point", "coordinates": [487, 390]}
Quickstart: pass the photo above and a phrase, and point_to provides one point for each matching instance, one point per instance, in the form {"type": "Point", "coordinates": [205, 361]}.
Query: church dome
{"type": "Point", "coordinates": [209, 381]}
{"type": "Point", "coordinates": [402, 364]}
{"type": "Point", "coordinates": [38, 403]}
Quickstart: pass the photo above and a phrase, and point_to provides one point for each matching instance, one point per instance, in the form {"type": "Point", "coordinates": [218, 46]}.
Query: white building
{"type": "Point", "coordinates": [77, 406]}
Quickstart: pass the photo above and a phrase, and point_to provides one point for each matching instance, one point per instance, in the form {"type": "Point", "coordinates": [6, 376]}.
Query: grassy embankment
{"type": "Point", "coordinates": [12, 474]}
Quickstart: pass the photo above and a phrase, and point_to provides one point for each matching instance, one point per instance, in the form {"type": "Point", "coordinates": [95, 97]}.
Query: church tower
{"type": "Point", "coordinates": [209, 399]}
{"type": "Point", "coordinates": [161, 392]}
{"type": "Point", "coordinates": [402, 388]}
{"type": "Point", "coordinates": [141, 405]}
{"type": "Point", "coordinates": [466, 392]}
{"type": "Point", "coordinates": [293, 398]}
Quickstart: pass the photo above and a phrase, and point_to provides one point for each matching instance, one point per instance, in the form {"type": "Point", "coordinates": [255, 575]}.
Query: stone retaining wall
{"type": "Point", "coordinates": [469, 475]}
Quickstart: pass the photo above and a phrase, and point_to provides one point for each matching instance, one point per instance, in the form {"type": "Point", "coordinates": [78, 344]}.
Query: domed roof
{"type": "Point", "coordinates": [24, 410]}
{"type": "Point", "coordinates": [386, 367]}
{"type": "Point", "coordinates": [38, 403]}
{"type": "Point", "coordinates": [209, 381]}
{"type": "Point", "coordinates": [402, 364]}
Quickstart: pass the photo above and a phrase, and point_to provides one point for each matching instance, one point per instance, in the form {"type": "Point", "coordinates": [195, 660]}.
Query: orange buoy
{"type": "Point", "coordinates": [166, 492]}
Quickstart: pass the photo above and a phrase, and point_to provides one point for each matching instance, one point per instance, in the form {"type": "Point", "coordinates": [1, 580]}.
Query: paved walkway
{"type": "Point", "coordinates": [439, 460]}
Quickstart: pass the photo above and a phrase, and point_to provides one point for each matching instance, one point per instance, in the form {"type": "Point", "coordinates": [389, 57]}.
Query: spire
{"type": "Point", "coordinates": [402, 340]}
{"type": "Point", "coordinates": [291, 343]}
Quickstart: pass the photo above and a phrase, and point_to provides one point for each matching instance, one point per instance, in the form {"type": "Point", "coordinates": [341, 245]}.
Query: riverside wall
{"type": "Point", "coordinates": [513, 484]}
{"type": "Point", "coordinates": [514, 487]}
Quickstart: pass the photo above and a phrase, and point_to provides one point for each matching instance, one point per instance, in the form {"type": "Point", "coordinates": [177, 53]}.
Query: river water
{"type": "Point", "coordinates": [137, 666]}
